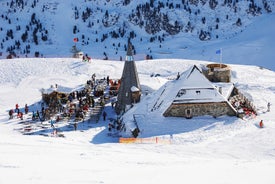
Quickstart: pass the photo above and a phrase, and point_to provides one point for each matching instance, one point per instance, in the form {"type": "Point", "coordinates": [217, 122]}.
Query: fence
{"type": "Point", "coordinates": [152, 140]}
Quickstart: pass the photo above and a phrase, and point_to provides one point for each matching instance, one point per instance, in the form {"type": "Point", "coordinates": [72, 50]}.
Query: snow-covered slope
{"type": "Point", "coordinates": [161, 29]}
{"type": "Point", "coordinates": [203, 150]}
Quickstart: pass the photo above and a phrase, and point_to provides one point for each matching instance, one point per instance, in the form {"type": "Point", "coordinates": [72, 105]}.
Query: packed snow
{"type": "Point", "coordinates": [200, 150]}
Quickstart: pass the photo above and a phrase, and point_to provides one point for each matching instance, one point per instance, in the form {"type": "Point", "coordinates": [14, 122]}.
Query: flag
{"type": "Point", "coordinates": [218, 51]}
{"type": "Point", "coordinates": [75, 39]}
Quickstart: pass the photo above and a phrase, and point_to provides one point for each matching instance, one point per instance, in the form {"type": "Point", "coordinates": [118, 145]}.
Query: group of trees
{"type": "Point", "coordinates": [34, 31]}
{"type": "Point", "coordinates": [158, 19]}
{"type": "Point", "coordinates": [153, 18]}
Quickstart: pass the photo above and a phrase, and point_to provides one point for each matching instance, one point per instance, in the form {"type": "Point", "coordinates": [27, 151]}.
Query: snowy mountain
{"type": "Point", "coordinates": [190, 29]}
{"type": "Point", "coordinates": [200, 150]}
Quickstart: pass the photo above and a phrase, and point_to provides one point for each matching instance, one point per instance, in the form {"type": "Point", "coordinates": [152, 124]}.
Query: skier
{"type": "Point", "coordinates": [261, 124]}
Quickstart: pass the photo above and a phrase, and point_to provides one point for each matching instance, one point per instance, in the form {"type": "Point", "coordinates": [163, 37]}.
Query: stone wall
{"type": "Point", "coordinates": [214, 109]}
{"type": "Point", "coordinates": [217, 73]}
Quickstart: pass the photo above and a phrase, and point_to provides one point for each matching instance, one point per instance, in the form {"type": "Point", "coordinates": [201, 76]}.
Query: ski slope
{"type": "Point", "coordinates": [203, 150]}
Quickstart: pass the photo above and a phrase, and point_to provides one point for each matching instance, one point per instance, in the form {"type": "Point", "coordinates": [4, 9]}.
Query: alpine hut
{"type": "Point", "coordinates": [197, 96]}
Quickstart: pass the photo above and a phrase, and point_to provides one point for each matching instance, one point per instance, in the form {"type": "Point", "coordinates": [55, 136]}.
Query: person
{"type": "Point", "coordinates": [109, 127]}
{"type": "Point", "coordinates": [75, 126]}
{"type": "Point", "coordinates": [20, 115]}
{"type": "Point", "coordinates": [33, 116]}
{"type": "Point", "coordinates": [93, 102]}
{"type": "Point", "coordinates": [11, 113]}
{"type": "Point", "coordinates": [104, 115]}
{"type": "Point", "coordinates": [57, 118]}
{"type": "Point", "coordinates": [54, 132]}
{"type": "Point", "coordinates": [108, 80]}
{"type": "Point", "coordinates": [43, 112]}
{"type": "Point", "coordinates": [178, 75]}
{"type": "Point", "coordinates": [26, 109]}
{"type": "Point", "coordinates": [38, 115]}
{"type": "Point", "coordinates": [16, 108]}
{"type": "Point", "coordinates": [93, 78]}
{"type": "Point", "coordinates": [268, 106]}
{"type": "Point", "coordinates": [51, 122]}
{"type": "Point", "coordinates": [261, 124]}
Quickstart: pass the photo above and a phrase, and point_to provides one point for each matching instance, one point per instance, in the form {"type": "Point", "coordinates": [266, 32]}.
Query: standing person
{"type": "Point", "coordinates": [93, 102]}
{"type": "Point", "coordinates": [178, 75]}
{"type": "Point", "coordinates": [93, 78]}
{"type": "Point", "coordinates": [38, 115]}
{"type": "Point", "coordinates": [261, 124]}
{"type": "Point", "coordinates": [109, 127]}
{"type": "Point", "coordinates": [268, 106]}
{"type": "Point", "coordinates": [11, 113]}
{"type": "Point", "coordinates": [16, 108]}
{"type": "Point", "coordinates": [43, 112]}
{"type": "Point", "coordinates": [26, 109]}
{"type": "Point", "coordinates": [51, 122]}
{"type": "Point", "coordinates": [108, 80]}
{"type": "Point", "coordinates": [33, 115]}
{"type": "Point", "coordinates": [75, 126]}
{"type": "Point", "coordinates": [104, 115]}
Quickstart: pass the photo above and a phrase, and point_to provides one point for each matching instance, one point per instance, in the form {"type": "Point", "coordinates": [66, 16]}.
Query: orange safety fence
{"type": "Point", "coordinates": [152, 140]}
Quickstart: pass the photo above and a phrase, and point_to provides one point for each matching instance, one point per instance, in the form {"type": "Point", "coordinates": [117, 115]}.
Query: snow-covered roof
{"type": "Point", "coordinates": [61, 89]}
{"type": "Point", "coordinates": [191, 87]}
{"type": "Point", "coordinates": [134, 89]}
{"type": "Point", "coordinates": [194, 87]}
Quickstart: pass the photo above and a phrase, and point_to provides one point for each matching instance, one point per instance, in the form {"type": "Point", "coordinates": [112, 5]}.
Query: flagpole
{"type": "Point", "coordinates": [221, 58]}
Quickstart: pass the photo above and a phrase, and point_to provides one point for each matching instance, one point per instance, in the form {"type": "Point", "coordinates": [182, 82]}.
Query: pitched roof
{"type": "Point", "coordinates": [129, 55]}
{"type": "Point", "coordinates": [191, 87]}
{"type": "Point", "coordinates": [129, 80]}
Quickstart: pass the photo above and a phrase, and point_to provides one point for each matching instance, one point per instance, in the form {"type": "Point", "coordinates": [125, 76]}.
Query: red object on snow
{"type": "Point", "coordinates": [75, 39]}
{"type": "Point", "coordinates": [261, 124]}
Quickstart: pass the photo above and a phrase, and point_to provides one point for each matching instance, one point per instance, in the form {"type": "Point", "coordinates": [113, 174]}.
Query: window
{"type": "Point", "coordinates": [181, 92]}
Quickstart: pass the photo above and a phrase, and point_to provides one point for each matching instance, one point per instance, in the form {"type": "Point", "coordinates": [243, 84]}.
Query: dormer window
{"type": "Point", "coordinates": [181, 92]}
